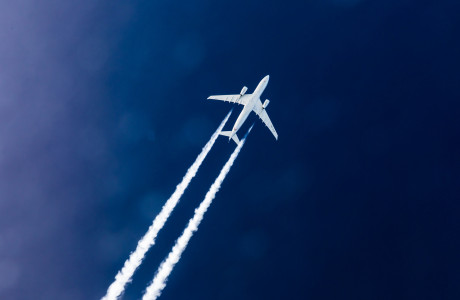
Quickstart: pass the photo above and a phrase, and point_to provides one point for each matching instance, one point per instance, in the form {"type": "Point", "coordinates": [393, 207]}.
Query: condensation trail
{"type": "Point", "coordinates": [148, 240]}
{"type": "Point", "coordinates": [159, 282]}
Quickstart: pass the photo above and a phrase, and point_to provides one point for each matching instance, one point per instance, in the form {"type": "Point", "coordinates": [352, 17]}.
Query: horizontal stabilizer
{"type": "Point", "coordinates": [233, 136]}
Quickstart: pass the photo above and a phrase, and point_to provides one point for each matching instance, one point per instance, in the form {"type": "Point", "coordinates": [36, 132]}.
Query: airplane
{"type": "Point", "coordinates": [251, 102]}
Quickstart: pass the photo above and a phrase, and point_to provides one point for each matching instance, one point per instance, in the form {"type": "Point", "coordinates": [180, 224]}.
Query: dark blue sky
{"type": "Point", "coordinates": [103, 110]}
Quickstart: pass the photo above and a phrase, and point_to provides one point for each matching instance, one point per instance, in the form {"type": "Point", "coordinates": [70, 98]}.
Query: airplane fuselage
{"type": "Point", "coordinates": [250, 105]}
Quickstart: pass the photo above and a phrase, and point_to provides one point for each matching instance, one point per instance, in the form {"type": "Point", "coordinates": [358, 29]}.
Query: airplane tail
{"type": "Point", "coordinates": [229, 134]}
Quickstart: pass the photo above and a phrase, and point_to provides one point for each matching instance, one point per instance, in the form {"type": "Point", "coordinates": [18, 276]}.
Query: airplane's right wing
{"type": "Point", "coordinates": [238, 99]}
{"type": "Point", "coordinates": [262, 113]}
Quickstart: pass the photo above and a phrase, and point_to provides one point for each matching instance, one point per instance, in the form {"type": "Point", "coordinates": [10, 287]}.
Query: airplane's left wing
{"type": "Point", "coordinates": [238, 99]}
{"type": "Point", "coordinates": [262, 113]}
{"type": "Point", "coordinates": [264, 117]}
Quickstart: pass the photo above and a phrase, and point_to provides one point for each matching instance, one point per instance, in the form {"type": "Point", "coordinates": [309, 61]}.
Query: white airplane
{"type": "Point", "coordinates": [251, 102]}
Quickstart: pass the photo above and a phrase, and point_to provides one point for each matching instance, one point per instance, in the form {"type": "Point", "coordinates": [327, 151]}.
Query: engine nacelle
{"type": "Point", "coordinates": [264, 106]}
{"type": "Point", "coordinates": [243, 91]}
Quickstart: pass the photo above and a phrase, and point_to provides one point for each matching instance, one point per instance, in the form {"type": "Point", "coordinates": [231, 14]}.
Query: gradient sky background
{"type": "Point", "coordinates": [102, 108]}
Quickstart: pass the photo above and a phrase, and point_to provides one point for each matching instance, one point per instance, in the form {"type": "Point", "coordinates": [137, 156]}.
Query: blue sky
{"type": "Point", "coordinates": [103, 108]}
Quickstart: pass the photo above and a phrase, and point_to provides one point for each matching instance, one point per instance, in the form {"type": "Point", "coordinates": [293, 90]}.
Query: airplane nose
{"type": "Point", "coordinates": [267, 77]}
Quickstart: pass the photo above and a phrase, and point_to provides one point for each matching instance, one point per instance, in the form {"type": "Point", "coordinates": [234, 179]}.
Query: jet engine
{"type": "Point", "coordinates": [243, 91]}
{"type": "Point", "coordinates": [265, 104]}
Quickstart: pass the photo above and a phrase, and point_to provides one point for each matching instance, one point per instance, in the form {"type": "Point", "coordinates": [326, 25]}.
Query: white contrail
{"type": "Point", "coordinates": [135, 259]}
{"type": "Point", "coordinates": [159, 282]}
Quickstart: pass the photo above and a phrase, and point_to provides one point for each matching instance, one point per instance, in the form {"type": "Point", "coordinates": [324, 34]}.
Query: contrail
{"type": "Point", "coordinates": [159, 282]}
{"type": "Point", "coordinates": [148, 240]}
